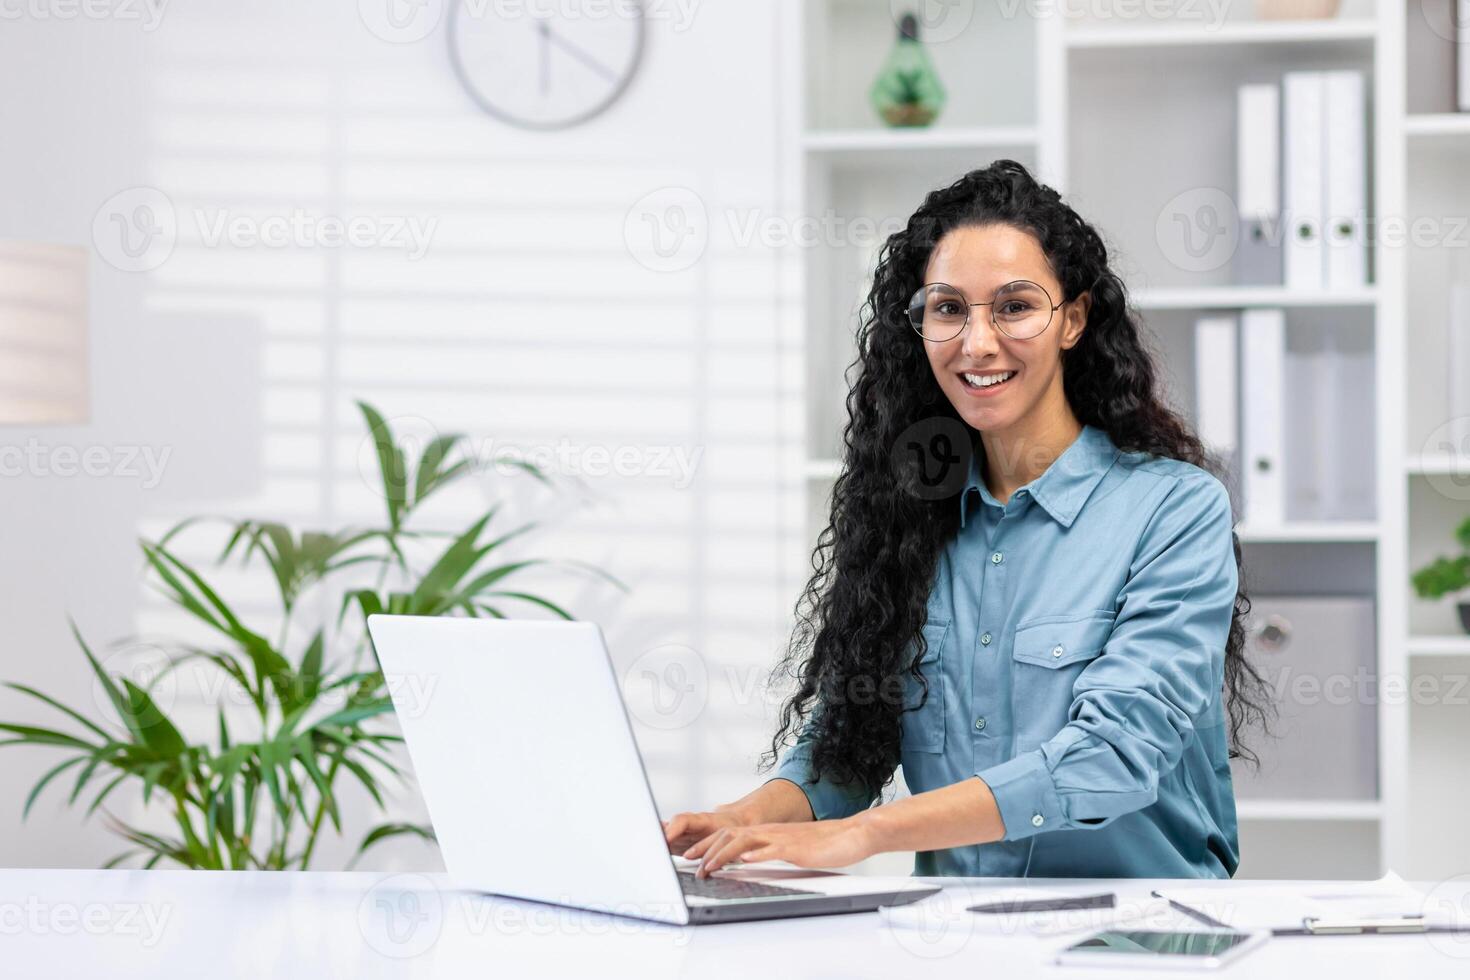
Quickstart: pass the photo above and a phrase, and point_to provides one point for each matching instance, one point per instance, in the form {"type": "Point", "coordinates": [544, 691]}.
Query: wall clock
{"type": "Point", "coordinates": [545, 65]}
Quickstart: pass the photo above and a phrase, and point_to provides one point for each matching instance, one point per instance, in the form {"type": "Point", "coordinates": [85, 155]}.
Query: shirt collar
{"type": "Point", "coordinates": [1064, 486]}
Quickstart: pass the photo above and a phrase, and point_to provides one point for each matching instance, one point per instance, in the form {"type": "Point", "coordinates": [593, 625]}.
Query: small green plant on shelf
{"type": "Point", "coordinates": [1447, 576]}
{"type": "Point", "coordinates": [259, 790]}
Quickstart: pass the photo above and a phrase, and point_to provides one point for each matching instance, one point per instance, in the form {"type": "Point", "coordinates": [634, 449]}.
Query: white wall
{"type": "Point", "coordinates": [529, 320]}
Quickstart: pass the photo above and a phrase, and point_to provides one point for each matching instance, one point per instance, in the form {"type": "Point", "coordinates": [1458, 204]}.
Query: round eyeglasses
{"type": "Point", "coordinates": [1020, 310]}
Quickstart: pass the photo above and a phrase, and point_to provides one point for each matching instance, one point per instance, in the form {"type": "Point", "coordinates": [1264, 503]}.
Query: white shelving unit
{"type": "Point", "coordinates": [1084, 105]}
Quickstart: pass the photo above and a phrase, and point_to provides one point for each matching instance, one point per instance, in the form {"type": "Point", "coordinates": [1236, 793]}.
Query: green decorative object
{"type": "Point", "coordinates": [307, 704]}
{"type": "Point", "coordinates": [907, 92]}
{"type": "Point", "coordinates": [1445, 576]}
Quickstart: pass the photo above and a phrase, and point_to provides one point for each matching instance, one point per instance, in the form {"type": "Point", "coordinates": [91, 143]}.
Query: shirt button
{"type": "Point", "coordinates": [1056, 651]}
{"type": "Point", "coordinates": [985, 639]}
{"type": "Point", "coordinates": [995, 559]}
{"type": "Point", "coordinates": [979, 724]}
{"type": "Point", "coordinates": [1037, 820]}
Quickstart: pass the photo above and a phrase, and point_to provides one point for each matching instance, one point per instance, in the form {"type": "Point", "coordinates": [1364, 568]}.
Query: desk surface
{"type": "Point", "coordinates": [319, 925]}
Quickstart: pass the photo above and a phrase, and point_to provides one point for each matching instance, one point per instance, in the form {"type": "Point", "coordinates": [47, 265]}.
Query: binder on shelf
{"type": "Point", "coordinates": [1458, 351]}
{"type": "Point", "coordinates": [1310, 419]}
{"type": "Point", "coordinates": [1345, 161]}
{"type": "Point", "coordinates": [1462, 54]}
{"type": "Point", "coordinates": [1258, 185]}
{"type": "Point", "coordinates": [1215, 378]}
{"type": "Point", "coordinates": [1302, 135]}
{"type": "Point", "coordinates": [1263, 357]}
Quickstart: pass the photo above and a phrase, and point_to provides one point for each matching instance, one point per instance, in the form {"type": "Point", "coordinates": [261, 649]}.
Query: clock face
{"type": "Point", "coordinates": [545, 65]}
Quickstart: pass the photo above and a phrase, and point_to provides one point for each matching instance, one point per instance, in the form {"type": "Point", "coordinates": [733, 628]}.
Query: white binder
{"type": "Point", "coordinates": [1263, 369]}
{"type": "Point", "coordinates": [1459, 366]}
{"type": "Point", "coordinates": [1303, 130]}
{"type": "Point", "coordinates": [1462, 53]}
{"type": "Point", "coordinates": [1258, 184]}
{"type": "Point", "coordinates": [1215, 377]}
{"type": "Point", "coordinates": [1345, 237]}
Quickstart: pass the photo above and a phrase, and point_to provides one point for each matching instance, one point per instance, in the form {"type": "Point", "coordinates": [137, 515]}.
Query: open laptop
{"type": "Point", "coordinates": [527, 762]}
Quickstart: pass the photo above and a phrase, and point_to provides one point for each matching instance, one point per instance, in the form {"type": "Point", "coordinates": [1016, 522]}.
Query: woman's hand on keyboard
{"type": "Point", "coordinates": [813, 844]}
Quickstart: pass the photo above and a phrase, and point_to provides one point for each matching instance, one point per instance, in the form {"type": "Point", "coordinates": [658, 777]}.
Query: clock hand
{"type": "Point", "coordinates": [581, 55]}
{"type": "Point", "coordinates": [543, 30]}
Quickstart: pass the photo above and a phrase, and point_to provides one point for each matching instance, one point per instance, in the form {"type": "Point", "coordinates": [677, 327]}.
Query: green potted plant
{"type": "Point", "coordinates": [1445, 576]}
{"type": "Point", "coordinates": [308, 707]}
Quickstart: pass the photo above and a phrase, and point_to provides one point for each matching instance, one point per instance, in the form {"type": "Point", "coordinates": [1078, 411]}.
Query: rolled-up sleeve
{"type": "Point", "coordinates": [829, 800]}
{"type": "Point", "coordinates": [1134, 706]}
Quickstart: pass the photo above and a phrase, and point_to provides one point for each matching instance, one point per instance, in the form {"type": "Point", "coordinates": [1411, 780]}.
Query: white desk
{"type": "Point", "coordinates": [156, 924]}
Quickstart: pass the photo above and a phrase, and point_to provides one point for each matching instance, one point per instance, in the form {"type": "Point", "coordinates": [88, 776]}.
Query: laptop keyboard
{"type": "Point", "coordinates": [733, 888]}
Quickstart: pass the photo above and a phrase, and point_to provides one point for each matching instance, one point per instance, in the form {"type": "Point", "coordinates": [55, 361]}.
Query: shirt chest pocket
{"type": "Point", "coordinates": [923, 725]}
{"type": "Point", "coordinates": [1049, 653]}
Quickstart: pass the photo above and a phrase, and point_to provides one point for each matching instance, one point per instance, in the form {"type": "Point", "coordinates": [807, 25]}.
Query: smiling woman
{"type": "Point", "coordinates": [1030, 576]}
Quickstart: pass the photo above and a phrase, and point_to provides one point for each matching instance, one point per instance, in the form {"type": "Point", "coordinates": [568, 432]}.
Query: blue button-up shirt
{"type": "Point", "coordinates": [1075, 656]}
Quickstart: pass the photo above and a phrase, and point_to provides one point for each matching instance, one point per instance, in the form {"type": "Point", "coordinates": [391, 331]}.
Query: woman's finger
{"type": "Point", "coordinates": [728, 850]}
{"type": "Point", "coordinates": [698, 848]}
{"type": "Point", "coordinates": [768, 852]}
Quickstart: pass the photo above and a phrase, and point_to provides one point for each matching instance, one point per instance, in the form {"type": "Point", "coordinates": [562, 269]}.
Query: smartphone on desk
{"type": "Point", "coordinates": [1205, 950]}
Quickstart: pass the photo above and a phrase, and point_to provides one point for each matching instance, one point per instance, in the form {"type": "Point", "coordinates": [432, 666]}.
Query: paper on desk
{"type": "Point", "coordinates": [1285, 907]}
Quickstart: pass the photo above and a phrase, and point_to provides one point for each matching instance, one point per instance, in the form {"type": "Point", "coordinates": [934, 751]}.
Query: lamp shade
{"type": "Point", "coordinates": [43, 334]}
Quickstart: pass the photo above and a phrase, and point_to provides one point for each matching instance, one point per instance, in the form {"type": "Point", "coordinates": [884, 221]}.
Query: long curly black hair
{"type": "Point", "coordinates": [865, 603]}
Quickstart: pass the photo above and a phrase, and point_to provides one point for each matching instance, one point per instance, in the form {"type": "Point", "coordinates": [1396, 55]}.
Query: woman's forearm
{"type": "Point", "coordinates": [957, 815]}
{"type": "Point", "coordinates": [777, 801]}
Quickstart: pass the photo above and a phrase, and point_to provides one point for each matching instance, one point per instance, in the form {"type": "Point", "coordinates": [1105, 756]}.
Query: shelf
{"type": "Point", "coordinates": [1328, 32]}
{"type": "Point", "coordinates": [1438, 464]}
{"type": "Point", "coordinates": [1343, 810]}
{"type": "Point", "coordinates": [1310, 532]}
{"type": "Point", "coordinates": [1441, 127]}
{"type": "Point", "coordinates": [1242, 297]}
{"type": "Point", "coordinates": [1439, 646]}
{"type": "Point", "coordinates": [877, 140]}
